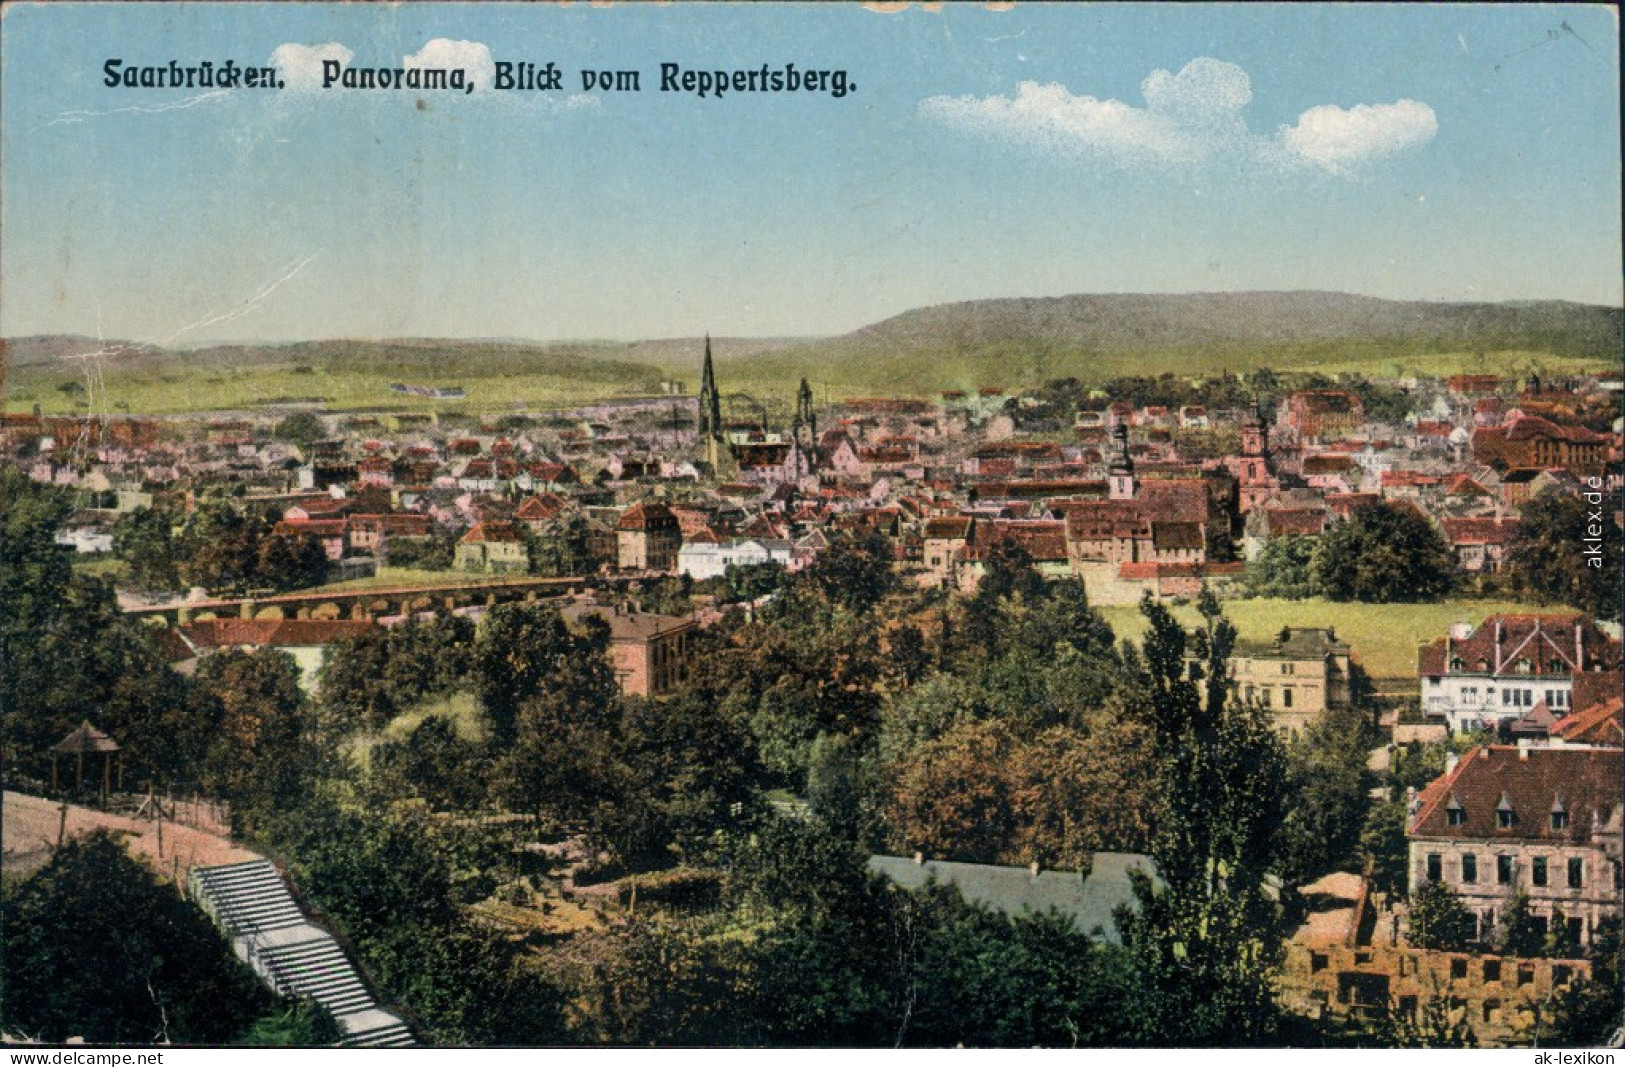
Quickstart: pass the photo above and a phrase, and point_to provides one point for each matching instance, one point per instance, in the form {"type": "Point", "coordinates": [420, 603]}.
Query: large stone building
{"type": "Point", "coordinates": [1317, 413]}
{"type": "Point", "coordinates": [650, 652]}
{"type": "Point", "coordinates": [648, 537]}
{"type": "Point", "coordinates": [494, 548]}
{"type": "Point", "coordinates": [1298, 677]}
{"type": "Point", "coordinates": [1497, 672]}
{"type": "Point", "coordinates": [1545, 822]}
{"type": "Point", "coordinates": [1534, 442]}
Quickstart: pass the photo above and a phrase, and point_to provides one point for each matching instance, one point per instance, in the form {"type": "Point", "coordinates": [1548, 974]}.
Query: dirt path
{"type": "Point", "coordinates": [31, 825]}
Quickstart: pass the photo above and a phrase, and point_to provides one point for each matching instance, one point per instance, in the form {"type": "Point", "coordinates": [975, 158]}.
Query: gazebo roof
{"type": "Point", "coordinates": [85, 739]}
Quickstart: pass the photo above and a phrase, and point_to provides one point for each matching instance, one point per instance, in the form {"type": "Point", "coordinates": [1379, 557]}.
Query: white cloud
{"type": "Point", "coordinates": [1204, 89]}
{"type": "Point", "coordinates": [471, 56]}
{"type": "Point", "coordinates": [1188, 117]}
{"type": "Point", "coordinates": [1335, 139]}
{"type": "Point", "coordinates": [301, 64]}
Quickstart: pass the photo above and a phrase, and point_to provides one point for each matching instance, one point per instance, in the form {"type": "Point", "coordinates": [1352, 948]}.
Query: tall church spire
{"type": "Point", "coordinates": [710, 401]}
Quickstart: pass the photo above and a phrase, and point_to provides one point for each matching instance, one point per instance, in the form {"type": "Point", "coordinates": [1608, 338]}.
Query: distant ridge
{"type": "Point", "coordinates": [1011, 343]}
{"type": "Point", "coordinates": [1133, 320]}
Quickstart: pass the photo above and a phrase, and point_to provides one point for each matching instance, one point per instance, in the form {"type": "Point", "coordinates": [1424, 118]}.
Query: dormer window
{"type": "Point", "coordinates": [1560, 814]}
{"type": "Point", "coordinates": [1455, 814]}
{"type": "Point", "coordinates": [1505, 817]}
{"type": "Point", "coordinates": [1457, 664]}
{"type": "Point", "coordinates": [1523, 666]}
{"type": "Point", "coordinates": [1555, 666]}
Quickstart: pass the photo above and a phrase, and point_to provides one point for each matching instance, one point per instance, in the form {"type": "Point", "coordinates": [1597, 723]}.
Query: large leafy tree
{"type": "Point", "coordinates": [525, 652]}
{"type": "Point", "coordinates": [1204, 944]}
{"type": "Point", "coordinates": [1438, 919]}
{"type": "Point", "coordinates": [68, 653]}
{"type": "Point", "coordinates": [953, 797]}
{"type": "Point", "coordinates": [854, 572]}
{"type": "Point", "coordinates": [1284, 568]}
{"type": "Point", "coordinates": [1329, 788]}
{"type": "Point", "coordinates": [1385, 554]}
{"type": "Point", "coordinates": [1385, 848]}
{"type": "Point", "coordinates": [1548, 561]}
{"type": "Point", "coordinates": [263, 744]}
{"type": "Point", "coordinates": [96, 947]}
{"type": "Point", "coordinates": [144, 541]}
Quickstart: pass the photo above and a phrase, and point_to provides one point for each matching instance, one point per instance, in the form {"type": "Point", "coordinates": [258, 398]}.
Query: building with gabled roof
{"type": "Point", "coordinates": [648, 537]}
{"type": "Point", "coordinates": [1477, 677]}
{"type": "Point", "coordinates": [493, 547]}
{"type": "Point", "coordinates": [1541, 821]}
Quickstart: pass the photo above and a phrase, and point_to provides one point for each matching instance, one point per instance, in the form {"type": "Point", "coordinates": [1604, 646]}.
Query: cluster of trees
{"type": "Point", "coordinates": [1384, 554]}
{"type": "Point", "coordinates": [96, 947]}
{"type": "Point", "coordinates": [224, 546]}
{"type": "Point", "coordinates": [1004, 727]}
{"type": "Point", "coordinates": [1547, 561]}
{"type": "Point", "coordinates": [370, 678]}
{"type": "Point", "coordinates": [1056, 401]}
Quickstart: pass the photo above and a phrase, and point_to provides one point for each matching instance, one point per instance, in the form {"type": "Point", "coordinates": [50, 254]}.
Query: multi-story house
{"type": "Point", "coordinates": [650, 653]}
{"type": "Point", "coordinates": [1543, 822]}
{"type": "Point", "coordinates": [1473, 678]}
{"type": "Point", "coordinates": [493, 547]}
{"type": "Point", "coordinates": [1299, 676]}
{"type": "Point", "coordinates": [648, 537]}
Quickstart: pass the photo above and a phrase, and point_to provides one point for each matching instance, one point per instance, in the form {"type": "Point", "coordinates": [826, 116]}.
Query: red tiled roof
{"type": "Point", "coordinates": [1302, 521]}
{"type": "Point", "coordinates": [647, 517]}
{"type": "Point", "coordinates": [491, 533]}
{"type": "Point", "coordinates": [230, 633]}
{"type": "Point", "coordinates": [314, 527]}
{"type": "Point", "coordinates": [957, 527]}
{"type": "Point", "coordinates": [1584, 783]}
{"type": "Point", "coordinates": [1173, 499]}
{"type": "Point", "coordinates": [1501, 641]}
{"type": "Point", "coordinates": [1600, 724]}
{"type": "Point", "coordinates": [1479, 531]}
{"type": "Point", "coordinates": [1141, 571]}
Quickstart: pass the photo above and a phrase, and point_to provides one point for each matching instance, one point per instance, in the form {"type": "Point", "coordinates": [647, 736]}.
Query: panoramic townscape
{"type": "Point", "coordinates": [804, 526]}
{"type": "Point", "coordinates": [1283, 707]}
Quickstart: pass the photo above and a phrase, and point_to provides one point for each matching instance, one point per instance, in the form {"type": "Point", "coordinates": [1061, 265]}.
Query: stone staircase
{"type": "Point", "coordinates": [268, 931]}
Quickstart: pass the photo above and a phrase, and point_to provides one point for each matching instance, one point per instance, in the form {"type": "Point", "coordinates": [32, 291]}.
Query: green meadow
{"type": "Point", "coordinates": [1383, 637]}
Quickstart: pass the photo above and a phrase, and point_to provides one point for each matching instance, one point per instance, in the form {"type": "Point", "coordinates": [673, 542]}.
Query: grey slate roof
{"type": "Point", "coordinates": [1014, 891]}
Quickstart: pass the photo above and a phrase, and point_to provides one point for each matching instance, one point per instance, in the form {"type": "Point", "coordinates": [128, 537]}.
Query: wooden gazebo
{"type": "Point", "coordinates": [87, 740]}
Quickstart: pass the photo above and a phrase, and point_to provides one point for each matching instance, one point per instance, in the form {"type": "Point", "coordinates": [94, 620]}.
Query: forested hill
{"type": "Point", "coordinates": [1136, 320]}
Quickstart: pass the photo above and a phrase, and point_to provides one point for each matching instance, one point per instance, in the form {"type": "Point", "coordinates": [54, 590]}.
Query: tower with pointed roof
{"type": "Point", "coordinates": [710, 411]}
{"type": "Point", "coordinates": [1120, 471]}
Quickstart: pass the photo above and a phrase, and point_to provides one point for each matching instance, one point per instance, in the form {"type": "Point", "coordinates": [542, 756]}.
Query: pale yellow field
{"type": "Point", "coordinates": [1383, 637]}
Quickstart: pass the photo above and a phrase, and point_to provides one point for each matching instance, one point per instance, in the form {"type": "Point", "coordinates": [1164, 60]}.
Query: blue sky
{"type": "Point", "coordinates": [1452, 152]}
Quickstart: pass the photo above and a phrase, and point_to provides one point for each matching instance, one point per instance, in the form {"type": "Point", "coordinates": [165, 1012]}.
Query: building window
{"type": "Point", "coordinates": [1560, 820]}
{"type": "Point", "coordinates": [1435, 866]}
{"type": "Point", "coordinates": [1286, 696]}
{"type": "Point", "coordinates": [1469, 868]}
{"type": "Point", "coordinates": [1492, 970]}
{"type": "Point", "coordinates": [1503, 870]}
{"type": "Point", "coordinates": [1456, 816]}
{"type": "Point", "coordinates": [1503, 820]}
{"type": "Point", "coordinates": [1458, 968]}
{"type": "Point", "coordinates": [1577, 872]}
{"type": "Point", "coordinates": [1537, 871]}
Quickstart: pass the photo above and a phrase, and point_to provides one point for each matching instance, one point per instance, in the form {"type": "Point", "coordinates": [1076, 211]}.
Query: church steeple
{"type": "Point", "coordinates": [1120, 471]}
{"type": "Point", "coordinates": [710, 400]}
{"type": "Point", "coordinates": [805, 419]}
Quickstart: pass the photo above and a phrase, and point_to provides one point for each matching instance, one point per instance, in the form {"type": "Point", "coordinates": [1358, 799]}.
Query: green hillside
{"type": "Point", "coordinates": [1011, 344]}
